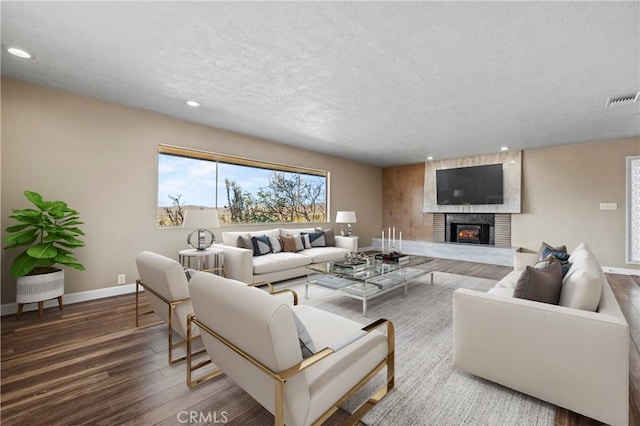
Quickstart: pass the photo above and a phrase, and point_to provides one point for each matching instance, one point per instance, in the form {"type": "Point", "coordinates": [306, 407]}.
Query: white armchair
{"type": "Point", "coordinates": [254, 340]}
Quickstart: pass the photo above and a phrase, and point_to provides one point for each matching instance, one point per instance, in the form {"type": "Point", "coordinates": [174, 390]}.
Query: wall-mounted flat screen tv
{"type": "Point", "coordinates": [470, 185]}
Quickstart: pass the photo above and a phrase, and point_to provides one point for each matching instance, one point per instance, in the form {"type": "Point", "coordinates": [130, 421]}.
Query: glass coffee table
{"type": "Point", "coordinates": [368, 279]}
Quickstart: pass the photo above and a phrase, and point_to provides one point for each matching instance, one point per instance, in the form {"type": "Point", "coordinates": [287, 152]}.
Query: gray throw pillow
{"type": "Point", "coordinates": [329, 237]}
{"type": "Point", "coordinates": [541, 285]}
{"type": "Point", "coordinates": [244, 241]}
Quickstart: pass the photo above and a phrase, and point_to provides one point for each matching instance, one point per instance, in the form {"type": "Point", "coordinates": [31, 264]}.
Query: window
{"type": "Point", "coordinates": [633, 209]}
{"type": "Point", "coordinates": [243, 190]}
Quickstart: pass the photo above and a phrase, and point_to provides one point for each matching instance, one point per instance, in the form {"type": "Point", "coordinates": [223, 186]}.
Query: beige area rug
{"type": "Point", "coordinates": [428, 390]}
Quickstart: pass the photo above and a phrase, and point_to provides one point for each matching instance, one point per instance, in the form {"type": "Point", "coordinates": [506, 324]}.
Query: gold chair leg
{"type": "Point", "coordinates": [191, 381]}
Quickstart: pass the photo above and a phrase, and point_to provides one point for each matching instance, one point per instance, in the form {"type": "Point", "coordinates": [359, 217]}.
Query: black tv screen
{"type": "Point", "coordinates": [470, 185]}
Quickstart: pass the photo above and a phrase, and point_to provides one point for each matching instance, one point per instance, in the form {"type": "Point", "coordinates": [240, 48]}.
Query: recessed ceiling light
{"type": "Point", "coordinates": [429, 158]}
{"type": "Point", "coordinates": [193, 103]}
{"type": "Point", "coordinates": [504, 148]}
{"type": "Point", "coordinates": [19, 52]}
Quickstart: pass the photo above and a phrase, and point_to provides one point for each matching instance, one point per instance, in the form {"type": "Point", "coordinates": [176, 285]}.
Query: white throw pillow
{"type": "Point", "coordinates": [582, 286]}
{"type": "Point", "coordinates": [276, 246]}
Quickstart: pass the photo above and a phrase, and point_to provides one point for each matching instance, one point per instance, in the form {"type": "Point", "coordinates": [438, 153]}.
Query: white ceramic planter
{"type": "Point", "coordinates": [36, 288]}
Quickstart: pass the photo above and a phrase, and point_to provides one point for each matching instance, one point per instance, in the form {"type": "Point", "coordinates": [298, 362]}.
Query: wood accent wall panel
{"type": "Point", "coordinates": [502, 230]}
{"type": "Point", "coordinates": [402, 201]}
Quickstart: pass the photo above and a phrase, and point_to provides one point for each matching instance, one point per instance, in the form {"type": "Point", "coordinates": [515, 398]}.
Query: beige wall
{"type": "Point", "coordinates": [562, 190]}
{"type": "Point", "coordinates": [101, 158]}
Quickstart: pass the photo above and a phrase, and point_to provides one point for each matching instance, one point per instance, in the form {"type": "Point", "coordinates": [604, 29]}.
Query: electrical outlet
{"type": "Point", "coordinates": [608, 206]}
{"type": "Point", "coordinates": [122, 278]}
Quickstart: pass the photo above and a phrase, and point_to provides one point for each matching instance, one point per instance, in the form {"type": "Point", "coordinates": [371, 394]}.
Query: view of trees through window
{"type": "Point", "coordinates": [242, 190]}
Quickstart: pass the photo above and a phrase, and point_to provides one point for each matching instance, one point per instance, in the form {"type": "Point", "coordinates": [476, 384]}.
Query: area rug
{"type": "Point", "coordinates": [428, 389]}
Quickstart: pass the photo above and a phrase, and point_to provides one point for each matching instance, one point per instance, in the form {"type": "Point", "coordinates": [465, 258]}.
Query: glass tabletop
{"type": "Point", "coordinates": [369, 268]}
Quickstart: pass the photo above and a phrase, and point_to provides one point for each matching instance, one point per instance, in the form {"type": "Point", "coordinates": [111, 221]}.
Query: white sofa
{"type": "Point", "coordinates": [573, 358]}
{"type": "Point", "coordinates": [242, 265]}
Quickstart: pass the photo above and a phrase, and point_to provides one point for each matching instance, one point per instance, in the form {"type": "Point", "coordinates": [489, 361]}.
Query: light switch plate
{"type": "Point", "coordinates": [608, 206]}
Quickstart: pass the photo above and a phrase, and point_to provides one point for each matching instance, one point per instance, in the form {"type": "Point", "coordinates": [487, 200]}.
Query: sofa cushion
{"type": "Point", "coordinates": [510, 280]}
{"type": "Point", "coordinates": [229, 238]}
{"type": "Point", "coordinates": [244, 241]}
{"type": "Point", "coordinates": [261, 245]}
{"type": "Point", "coordinates": [275, 262]}
{"type": "Point", "coordinates": [329, 236]}
{"type": "Point", "coordinates": [582, 286]}
{"type": "Point", "coordinates": [564, 264]}
{"type": "Point", "coordinates": [297, 239]}
{"type": "Point", "coordinates": [276, 244]}
{"type": "Point", "coordinates": [540, 285]}
{"type": "Point", "coordinates": [544, 246]}
{"type": "Point", "coordinates": [293, 231]}
{"type": "Point", "coordinates": [324, 254]}
{"type": "Point", "coordinates": [317, 239]}
{"type": "Point", "coordinates": [288, 243]}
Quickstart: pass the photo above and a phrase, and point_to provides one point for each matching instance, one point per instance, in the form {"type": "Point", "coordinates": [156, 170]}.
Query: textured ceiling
{"type": "Point", "coordinates": [385, 83]}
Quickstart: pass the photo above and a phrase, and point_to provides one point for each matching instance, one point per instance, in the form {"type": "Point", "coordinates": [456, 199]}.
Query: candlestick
{"type": "Point", "coordinates": [394, 237]}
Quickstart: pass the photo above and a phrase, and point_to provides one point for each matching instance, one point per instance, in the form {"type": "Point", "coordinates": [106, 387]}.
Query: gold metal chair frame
{"type": "Point", "coordinates": [171, 304]}
{"type": "Point", "coordinates": [280, 378]}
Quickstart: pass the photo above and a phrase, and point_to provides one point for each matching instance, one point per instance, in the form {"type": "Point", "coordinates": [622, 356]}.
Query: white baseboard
{"type": "Point", "coordinates": [84, 296]}
{"type": "Point", "coordinates": [69, 299]}
{"type": "Point", "coordinates": [620, 271]}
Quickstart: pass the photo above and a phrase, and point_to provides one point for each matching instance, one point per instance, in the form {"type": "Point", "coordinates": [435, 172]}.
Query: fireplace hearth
{"type": "Point", "coordinates": [470, 228]}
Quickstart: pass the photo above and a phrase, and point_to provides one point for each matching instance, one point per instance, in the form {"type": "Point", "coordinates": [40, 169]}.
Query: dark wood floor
{"type": "Point", "coordinates": [90, 365]}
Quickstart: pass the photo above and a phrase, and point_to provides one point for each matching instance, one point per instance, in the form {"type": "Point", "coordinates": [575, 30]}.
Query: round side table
{"type": "Point", "coordinates": [202, 258]}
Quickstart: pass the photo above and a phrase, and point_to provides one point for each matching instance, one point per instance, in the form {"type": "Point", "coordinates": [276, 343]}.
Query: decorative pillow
{"type": "Point", "coordinates": [543, 246]}
{"type": "Point", "coordinates": [541, 285]}
{"type": "Point", "coordinates": [548, 251]}
{"type": "Point", "coordinates": [298, 241]}
{"type": "Point", "coordinates": [261, 245]}
{"type": "Point", "coordinates": [317, 239]}
{"type": "Point", "coordinates": [288, 243]}
{"type": "Point", "coordinates": [276, 245]}
{"type": "Point", "coordinates": [244, 241]}
{"type": "Point", "coordinates": [305, 240]}
{"type": "Point", "coordinates": [564, 264]}
{"type": "Point", "coordinates": [582, 286]}
{"type": "Point", "coordinates": [306, 344]}
{"type": "Point", "coordinates": [189, 273]}
{"type": "Point", "coordinates": [329, 237]}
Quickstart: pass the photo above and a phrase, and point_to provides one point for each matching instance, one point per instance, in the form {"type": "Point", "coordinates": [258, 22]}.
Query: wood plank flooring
{"type": "Point", "coordinates": [89, 365]}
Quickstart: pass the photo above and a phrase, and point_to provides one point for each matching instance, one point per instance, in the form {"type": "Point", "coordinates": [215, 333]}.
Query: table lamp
{"type": "Point", "coordinates": [345, 218]}
{"type": "Point", "coordinates": [201, 220]}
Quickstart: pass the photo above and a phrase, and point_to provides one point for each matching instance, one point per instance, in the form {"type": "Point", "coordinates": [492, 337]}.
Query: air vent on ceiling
{"type": "Point", "coordinates": [614, 101]}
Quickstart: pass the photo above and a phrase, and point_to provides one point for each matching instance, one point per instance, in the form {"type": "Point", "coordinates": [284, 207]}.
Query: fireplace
{"type": "Point", "coordinates": [470, 228]}
{"type": "Point", "coordinates": [470, 233]}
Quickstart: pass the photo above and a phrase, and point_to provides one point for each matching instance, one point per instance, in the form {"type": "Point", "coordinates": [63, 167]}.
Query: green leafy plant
{"type": "Point", "coordinates": [49, 232]}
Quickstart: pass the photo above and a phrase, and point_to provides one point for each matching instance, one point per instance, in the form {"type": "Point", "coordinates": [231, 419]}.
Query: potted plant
{"type": "Point", "coordinates": [49, 233]}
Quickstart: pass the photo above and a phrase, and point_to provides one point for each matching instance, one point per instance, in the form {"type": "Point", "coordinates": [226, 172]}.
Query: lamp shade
{"type": "Point", "coordinates": [201, 219]}
{"type": "Point", "coordinates": [345, 217]}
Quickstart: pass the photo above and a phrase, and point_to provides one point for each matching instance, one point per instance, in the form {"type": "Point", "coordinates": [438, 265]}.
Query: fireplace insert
{"type": "Point", "coordinates": [470, 233]}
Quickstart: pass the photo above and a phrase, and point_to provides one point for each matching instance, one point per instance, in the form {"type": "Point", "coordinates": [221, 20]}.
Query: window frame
{"type": "Point", "coordinates": [218, 158]}
{"type": "Point", "coordinates": [630, 234]}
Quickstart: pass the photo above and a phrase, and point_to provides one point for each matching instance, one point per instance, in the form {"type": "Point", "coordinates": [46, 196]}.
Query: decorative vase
{"type": "Point", "coordinates": [37, 288]}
